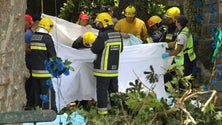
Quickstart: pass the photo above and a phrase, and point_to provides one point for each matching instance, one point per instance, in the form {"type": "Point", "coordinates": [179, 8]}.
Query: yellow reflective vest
{"type": "Point", "coordinates": [179, 58]}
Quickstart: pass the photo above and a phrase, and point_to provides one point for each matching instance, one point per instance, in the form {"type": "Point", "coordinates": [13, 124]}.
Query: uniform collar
{"type": "Point", "coordinates": [42, 30]}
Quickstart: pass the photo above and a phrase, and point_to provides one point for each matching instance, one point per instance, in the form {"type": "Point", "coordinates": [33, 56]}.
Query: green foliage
{"type": "Point", "coordinates": [176, 72]}
{"type": "Point", "coordinates": [139, 107]}
{"type": "Point", "coordinates": [66, 12]}
{"type": "Point", "coordinates": [145, 8]}
{"type": "Point", "coordinates": [135, 88]}
{"type": "Point", "coordinates": [72, 8]}
{"type": "Point", "coordinates": [218, 116]}
{"type": "Point", "coordinates": [156, 8]}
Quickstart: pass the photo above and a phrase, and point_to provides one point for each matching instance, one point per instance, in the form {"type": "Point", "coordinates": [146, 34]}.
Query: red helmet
{"type": "Point", "coordinates": [84, 16]}
{"type": "Point", "coordinates": [29, 19]}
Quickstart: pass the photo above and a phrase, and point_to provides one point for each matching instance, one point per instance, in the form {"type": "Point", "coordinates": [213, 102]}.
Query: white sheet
{"type": "Point", "coordinates": [81, 84]}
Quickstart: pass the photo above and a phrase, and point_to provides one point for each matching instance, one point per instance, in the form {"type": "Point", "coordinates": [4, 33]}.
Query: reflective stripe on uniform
{"type": "Point", "coordinates": [102, 112]}
{"type": "Point", "coordinates": [169, 36]}
{"type": "Point", "coordinates": [108, 45]}
{"type": "Point", "coordinates": [38, 46]}
{"type": "Point", "coordinates": [41, 73]}
{"type": "Point", "coordinates": [106, 71]}
{"type": "Point", "coordinates": [105, 74]}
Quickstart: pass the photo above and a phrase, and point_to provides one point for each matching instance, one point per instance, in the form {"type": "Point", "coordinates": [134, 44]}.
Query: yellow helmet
{"type": "Point", "coordinates": [153, 20]}
{"type": "Point", "coordinates": [46, 23]}
{"type": "Point", "coordinates": [172, 12]}
{"type": "Point", "coordinates": [105, 19]}
{"type": "Point", "coordinates": [130, 11]}
{"type": "Point", "coordinates": [88, 39]}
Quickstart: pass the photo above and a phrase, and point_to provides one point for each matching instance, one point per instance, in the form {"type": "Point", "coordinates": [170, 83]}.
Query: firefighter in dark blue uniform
{"type": "Point", "coordinates": [42, 48]}
{"type": "Point", "coordinates": [158, 30]}
{"type": "Point", "coordinates": [171, 23]}
{"type": "Point", "coordinates": [107, 47]}
{"type": "Point", "coordinates": [84, 42]}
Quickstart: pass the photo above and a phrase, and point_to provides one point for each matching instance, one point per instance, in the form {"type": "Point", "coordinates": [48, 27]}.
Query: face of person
{"type": "Point", "coordinates": [110, 13]}
{"type": "Point", "coordinates": [99, 25]}
{"type": "Point", "coordinates": [178, 25]}
{"type": "Point", "coordinates": [154, 27]}
{"type": "Point", "coordinates": [83, 22]}
{"type": "Point", "coordinates": [169, 20]}
{"type": "Point", "coordinates": [130, 19]}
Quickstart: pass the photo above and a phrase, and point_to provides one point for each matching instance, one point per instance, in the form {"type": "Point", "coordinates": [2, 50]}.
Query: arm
{"type": "Point", "coordinates": [121, 42]}
{"type": "Point", "coordinates": [181, 39]}
{"type": "Point", "coordinates": [176, 51]}
{"type": "Point", "coordinates": [78, 43]}
{"type": "Point", "coordinates": [28, 36]}
{"type": "Point", "coordinates": [156, 35]}
{"type": "Point", "coordinates": [27, 48]}
{"type": "Point", "coordinates": [144, 34]}
{"type": "Point", "coordinates": [50, 47]}
{"type": "Point", "coordinates": [181, 42]}
{"type": "Point", "coordinates": [117, 26]}
{"type": "Point", "coordinates": [98, 45]}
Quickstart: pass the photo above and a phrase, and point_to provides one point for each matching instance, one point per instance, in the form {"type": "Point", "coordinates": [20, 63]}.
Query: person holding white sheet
{"type": "Point", "coordinates": [158, 30]}
{"type": "Point", "coordinates": [184, 49]}
{"type": "Point", "coordinates": [84, 42]}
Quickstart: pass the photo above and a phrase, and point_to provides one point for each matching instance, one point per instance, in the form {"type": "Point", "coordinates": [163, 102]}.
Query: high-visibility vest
{"type": "Point", "coordinates": [179, 58]}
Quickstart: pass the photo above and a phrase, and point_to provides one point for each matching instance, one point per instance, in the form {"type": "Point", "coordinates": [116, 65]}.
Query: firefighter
{"type": "Point", "coordinates": [84, 42]}
{"type": "Point", "coordinates": [131, 24]}
{"type": "Point", "coordinates": [171, 34]}
{"type": "Point", "coordinates": [170, 18]}
{"type": "Point", "coordinates": [158, 30]}
{"type": "Point", "coordinates": [184, 49]}
{"type": "Point", "coordinates": [42, 48]}
{"type": "Point", "coordinates": [107, 47]}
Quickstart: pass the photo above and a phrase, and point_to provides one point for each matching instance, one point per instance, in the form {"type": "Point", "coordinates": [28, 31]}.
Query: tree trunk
{"type": "Point", "coordinates": [12, 60]}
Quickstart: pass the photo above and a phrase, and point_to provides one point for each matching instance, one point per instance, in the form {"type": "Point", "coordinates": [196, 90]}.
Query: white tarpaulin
{"type": "Point", "coordinates": [81, 84]}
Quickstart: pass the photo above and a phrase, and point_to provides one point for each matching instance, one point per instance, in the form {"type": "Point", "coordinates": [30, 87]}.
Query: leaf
{"type": "Point", "coordinates": [134, 102]}
{"type": "Point", "coordinates": [151, 68]}
{"type": "Point", "coordinates": [170, 88]}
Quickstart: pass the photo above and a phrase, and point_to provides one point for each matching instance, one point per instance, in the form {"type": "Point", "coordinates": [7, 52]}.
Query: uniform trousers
{"type": "Point", "coordinates": [39, 87]}
{"type": "Point", "coordinates": [104, 87]}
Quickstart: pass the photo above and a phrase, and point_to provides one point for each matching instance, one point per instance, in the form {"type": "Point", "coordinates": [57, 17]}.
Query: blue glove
{"type": "Point", "coordinates": [165, 55]}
